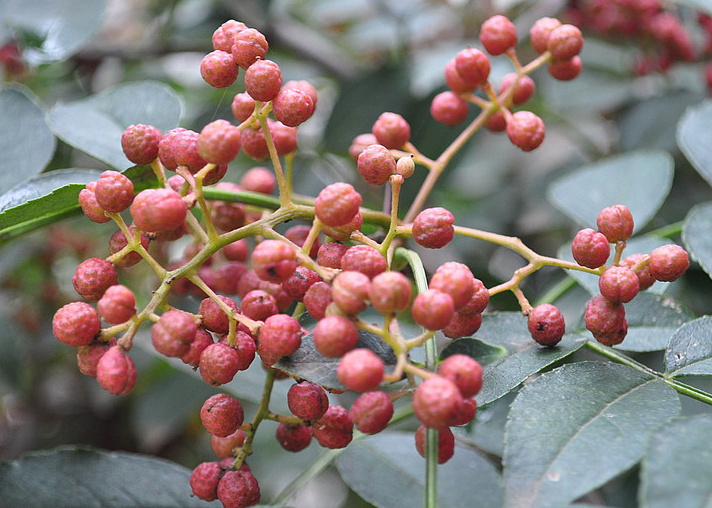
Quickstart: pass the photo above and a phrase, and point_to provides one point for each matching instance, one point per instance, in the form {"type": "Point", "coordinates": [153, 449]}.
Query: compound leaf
{"type": "Point", "coordinates": [689, 352]}
{"type": "Point", "coordinates": [574, 428]}
{"type": "Point", "coordinates": [386, 470]}
{"type": "Point", "coordinates": [696, 237]}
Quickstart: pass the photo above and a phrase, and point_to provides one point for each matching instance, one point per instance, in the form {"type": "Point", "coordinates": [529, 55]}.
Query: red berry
{"type": "Point", "coordinates": [166, 152]}
{"type": "Point", "coordinates": [245, 347]}
{"type": "Point", "coordinates": [228, 275]}
{"type": "Point", "coordinates": [479, 300]}
{"type": "Point", "coordinates": [274, 261]}
{"type": "Point", "coordinates": [590, 248]}
{"type": "Point", "coordinates": [546, 324]}
{"type": "Point", "coordinates": [337, 204]}
{"type": "Point", "coordinates": [360, 370]}
{"type": "Point", "coordinates": [349, 290]}
{"type": "Point", "coordinates": [221, 415]}
{"type": "Point", "coordinates": [223, 446]}
{"type": "Point", "coordinates": [93, 277]}
{"type": "Point", "coordinates": [317, 299]}
{"type": "Point", "coordinates": [88, 356]}
{"type": "Point", "coordinates": [140, 143]}
{"type": "Point", "coordinates": [565, 70]}
{"type": "Point", "coordinates": [76, 324]}
{"type": "Point", "coordinates": [523, 90]}
{"type": "Point", "coordinates": [185, 151]}
{"type": "Point", "coordinates": [214, 318]}
{"type": "Point", "coordinates": [204, 480]}
{"type": "Point", "coordinates": [307, 400]}
{"type": "Point", "coordinates": [116, 305]}
{"type": "Point", "coordinates": [114, 192]}
{"type": "Point", "coordinates": [259, 179]}
{"type": "Point", "coordinates": [218, 69]}
{"type": "Point", "coordinates": [446, 443]}
{"type": "Point", "coordinates": [118, 241]}
{"type": "Point", "coordinates": [456, 280]}
{"type": "Point", "coordinates": [115, 371]}
{"type": "Point", "coordinates": [293, 438]}
{"type": "Point", "coordinates": [540, 32]}
{"type": "Point", "coordinates": [202, 340]}
{"type": "Point", "coordinates": [376, 164]}
{"type": "Point", "coordinates": [497, 122]}
{"type": "Point", "coordinates": [292, 106]}
{"type": "Point", "coordinates": [90, 206]}
{"type": "Point", "coordinates": [334, 429]}
{"type": "Point", "coordinates": [564, 42]}
{"type": "Point", "coordinates": [390, 292]}
{"type": "Point", "coordinates": [618, 284]}
{"type": "Point", "coordinates": [334, 336]}
{"type": "Point", "coordinates": [238, 250]}
{"type": "Point", "coordinates": [156, 210]}
{"type": "Point", "coordinates": [639, 264]}
{"type": "Point", "coordinates": [462, 325]}
{"type": "Point", "coordinates": [448, 108]}
{"type": "Point", "coordinates": [437, 401]}
{"type": "Point", "coordinates": [614, 337]}
{"type": "Point", "coordinates": [473, 66]}
{"type": "Point", "coordinates": [219, 142]}
{"type": "Point", "coordinates": [243, 106]}
{"type": "Point", "coordinates": [263, 79]}
{"type": "Point", "coordinates": [173, 333]}
{"type": "Point", "coordinates": [218, 364]}
{"type": "Point", "coordinates": [259, 305]}
{"type": "Point", "coordinates": [603, 317]}
{"type": "Point", "coordinates": [360, 143]}
{"type": "Point", "coordinates": [250, 45]}
{"type": "Point", "coordinates": [391, 130]}
{"type": "Point", "coordinates": [668, 263]}
{"type": "Point", "coordinates": [343, 233]}
{"type": "Point", "coordinates": [227, 215]}
{"type": "Point", "coordinates": [303, 86]}
{"type": "Point", "coordinates": [298, 235]}
{"type": "Point", "coordinates": [498, 34]}
{"type": "Point", "coordinates": [330, 254]}
{"type": "Point", "coordinates": [433, 228]}
{"type": "Point", "coordinates": [453, 79]}
{"type": "Point", "coordinates": [433, 309]}
{"type": "Point", "coordinates": [238, 489]}
{"type": "Point", "coordinates": [467, 414]}
{"type": "Point", "coordinates": [224, 36]}
{"type": "Point", "coordinates": [281, 335]}
{"type": "Point", "coordinates": [284, 137]}
{"type": "Point", "coordinates": [372, 411]}
{"type": "Point", "coordinates": [526, 130]}
{"type": "Point", "coordinates": [464, 371]}
{"type": "Point", "coordinates": [299, 283]}
{"type": "Point", "coordinates": [616, 223]}
{"type": "Point", "coordinates": [364, 259]}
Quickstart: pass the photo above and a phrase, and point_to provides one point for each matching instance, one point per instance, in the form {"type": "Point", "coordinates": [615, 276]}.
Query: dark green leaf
{"type": "Point", "coordinates": [307, 363]}
{"type": "Point", "coordinates": [481, 351]}
{"type": "Point", "coordinates": [45, 184]}
{"type": "Point", "coordinates": [689, 352]}
{"type": "Point", "coordinates": [26, 143]}
{"type": "Point", "coordinates": [696, 235]}
{"type": "Point", "coordinates": [677, 467]}
{"type": "Point", "coordinates": [692, 139]}
{"type": "Point", "coordinates": [487, 431]}
{"type": "Point", "coordinates": [524, 356]}
{"type": "Point", "coordinates": [71, 477]}
{"type": "Point", "coordinates": [572, 429]}
{"type": "Point", "coordinates": [94, 125]}
{"type": "Point", "coordinates": [60, 27]}
{"type": "Point", "coordinates": [386, 470]}
{"type": "Point", "coordinates": [640, 180]}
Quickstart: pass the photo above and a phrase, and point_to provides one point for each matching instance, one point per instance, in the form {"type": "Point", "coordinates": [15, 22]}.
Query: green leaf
{"type": "Point", "coordinates": [386, 470]}
{"type": "Point", "coordinates": [524, 356]}
{"type": "Point", "coordinates": [26, 143]}
{"type": "Point", "coordinates": [58, 28]}
{"type": "Point", "coordinates": [487, 431]}
{"type": "Point", "coordinates": [94, 125]}
{"type": "Point", "coordinates": [45, 184]}
{"type": "Point", "coordinates": [481, 351]}
{"type": "Point", "coordinates": [640, 180]}
{"type": "Point", "coordinates": [70, 477]}
{"type": "Point", "coordinates": [696, 237]}
{"type": "Point", "coordinates": [307, 363]}
{"type": "Point", "coordinates": [692, 139]}
{"type": "Point", "coordinates": [689, 352]}
{"type": "Point", "coordinates": [677, 467]}
{"type": "Point", "coordinates": [574, 428]}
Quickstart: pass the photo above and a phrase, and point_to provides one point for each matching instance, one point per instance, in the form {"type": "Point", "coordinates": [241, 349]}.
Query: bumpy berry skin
{"type": "Point", "coordinates": [214, 318]}
{"type": "Point", "coordinates": [165, 148]}
{"type": "Point", "coordinates": [317, 299]}
{"type": "Point", "coordinates": [284, 137]}
{"type": "Point", "coordinates": [118, 241]}
{"type": "Point", "coordinates": [603, 317]}
{"type": "Point", "coordinates": [307, 401]}
{"type": "Point", "coordinates": [618, 284]}
{"type": "Point", "coordinates": [140, 143]}
{"type": "Point", "coordinates": [238, 489]}
{"type": "Point", "coordinates": [498, 34]}
{"type": "Point", "coordinates": [299, 283]}
{"type": "Point", "coordinates": [343, 233]}
{"type": "Point", "coordinates": [478, 302]}
{"type": "Point", "coordinates": [590, 248]}
{"type": "Point", "coordinates": [473, 66]}
{"type": "Point", "coordinates": [359, 143]}
{"type": "Point", "coordinates": [116, 372]}
{"type": "Point", "coordinates": [360, 370]}
{"type": "Point", "coordinates": [156, 210]}
{"type": "Point", "coordinates": [467, 414]}
{"type": "Point", "coordinates": [259, 305]}
{"type": "Point", "coordinates": [114, 192]}
{"type": "Point", "coordinates": [390, 292]}
{"type": "Point", "coordinates": [242, 106]}
{"type": "Point", "coordinates": [228, 275]}
{"type": "Point", "coordinates": [76, 324]}
{"type": "Point", "coordinates": [437, 401]}
{"type": "Point", "coordinates": [223, 446]}
{"type": "Point", "coordinates": [462, 325]}
{"type": "Point", "coordinates": [455, 279]}
{"type": "Point", "coordinates": [293, 438]}
{"type": "Point", "coordinates": [523, 90]}
{"type": "Point", "coordinates": [334, 429]}
{"type": "Point", "coordinates": [185, 151]}
{"type": "Point", "coordinates": [263, 79]}
{"type": "Point", "coordinates": [292, 107]}
{"type": "Point", "coordinates": [224, 37]}
{"type": "Point", "coordinates": [546, 324]}
{"type": "Point", "coordinates": [274, 261]}
{"type": "Point", "coordinates": [454, 80]}
{"type": "Point", "coordinates": [448, 108]}
{"type": "Point", "coordinates": [376, 164]}
{"type": "Point", "coordinates": [645, 279]}
{"type": "Point", "coordinates": [334, 336]}
{"type": "Point", "coordinates": [88, 356]}
{"type": "Point", "coordinates": [391, 130]}
{"type": "Point", "coordinates": [668, 263]}
{"type": "Point", "coordinates": [250, 45]}
{"type": "Point", "coordinates": [173, 333]}
{"type": "Point", "coordinates": [218, 364]}
{"type": "Point", "coordinates": [281, 335]}
{"type": "Point", "coordinates": [540, 32]}
{"type": "Point", "coordinates": [204, 480]}
{"type": "Point", "coordinates": [337, 204]}
{"type": "Point", "coordinates": [446, 443]}
{"type": "Point", "coordinates": [245, 347]}
{"type": "Point", "coordinates": [90, 207]}
{"type": "Point", "coordinates": [221, 415]}
{"type": "Point", "coordinates": [433, 228]}
{"type": "Point", "coordinates": [93, 277]}
{"type": "Point", "coordinates": [565, 70]}
{"type": "Point", "coordinates": [564, 42]}
{"type": "Point", "coordinates": [433, 309]}
{"type": "Point", "coordinates": [616, 223]}
{"type": "Point", "coordinates": [349, 290]}
{"type": "Point", "coordinates": [219, 142]}
{"type": "Point", "coordinates": [218, 69]}
{"type": "Point", "coordinates": [365, 259]}
{"type": "Point", "coordinates": [372, 411]}
{"type": "Point", "coordinates": [464, 371]}
{"type": "Point", "coordinates": [615, 337]}
{"type": "Point", "coordinates": [202, 340]}
{"type": "Point", "coordinates": [117, 304]}
{"type": "Point", "coordinates": [330, 254]}
{"type": "Point", "coordinates": [526, 130]}
{"type": "Point", "coordinates": [259, 179]}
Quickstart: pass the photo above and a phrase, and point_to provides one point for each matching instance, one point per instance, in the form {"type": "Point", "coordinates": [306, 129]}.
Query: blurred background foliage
{"type": "Point", "coordinates": [365, 57]}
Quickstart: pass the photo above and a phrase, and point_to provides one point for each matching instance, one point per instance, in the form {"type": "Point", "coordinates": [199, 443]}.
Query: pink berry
{"type": "Point", "coordinates": [390, 292]}
{"type": "Point", "coordinates": [498, 34]}
{"type": "Point", "coordinates": [364, 259]}
{"type": "Point", "coordinates": [185, 151]}
{"type": "Point", "coordinates": [238, 250]}
{"type": "Point", "coordinates": [437, 401]}
{"type": "Point", "coordinates": [117, 304]}
{"type": "Point", "coordinates": [473, 66]}
{"type": "Point", "coordinates": [464, 371]}
{"type": "Point", "coordinates": [616, 223]}
{"type": "Point", "coordinates": [478, 302]}
{"type": "Point", "coordinates": [259, 305]}
{"type": "Point", "coordinates": [114, 192]}
{"type": "Point", "coordinates": [156, 210]}
{"type": "Point", "coordinates": [238, 489]}
{"type": "Point", "coordinates": [166, 152]}
{"type": "Point", "coordinates": [540, 32]}
{"type": "Point", "coordinates": [242, 106]}
{"type": "Point", "coordinates": [223, 446]}
{"type": "Point", "coordinates": [448, 108]}
{"type": "Point", "coordinates": [214, 318]}
{"type": "Point", "coordinates": [298, 235]}
{"type": "Point", "coordinates": [317, 298]}
{"type": "Point", "coordinates": [391, 130]}
{"type": "Point", "coordinates": [330, 254]}
{"type": "Point", "coordinates": [668, 263]}
{"type": "Point", "coordinates": [565, 70]}
{"type": "Point", "coordinates": [249, 46]}
{"type": "Point", "coordinates": [360, 143]}
{"type": "Point", "coordinates": [293, 438]}
{"type": "Point", "coordinates": [118, 241]}
{"type": "Point", "coordinates": [523, 89]}
{"type": "Point", "coordinates": [281, 335]}
{"type": "Point", "coordinates": [433, 228]}
{"type": "Point", "coordinates": [173, 333]}
{"type": "Point", "coordinates": [292, 106]}
{"type": "Point", "coordinates": [88, 356]}
{"type": "Point", "coordinates": [140, 143]}
{"type": "Point", "coordinates": [259, 179]}
{"type": "Point", "coordinates": [224, 36]}
{"type": "Point", "coordinates": [618, 284]}
{"type": "Point", "coordinates": [76, 324]}
{"type": "Point", "coordinates": [337, 204]}
{"type": "Point", "coordinates": [218, 364]}
{"type": "Point", "coordinates": [349, 290]}
{"type": "Point", "coordinates": [274, 261]}
{"type": "Point", "coordinates": [564, 42]}
{"type": "Point", "coordinates": [307, 400]}
{"type": "Point", "coordinates": [93, 277]}
{"type": "Point", "coordinates": [453, 79]}
{"type": "Point", "coordinates": [221, 415]}
{"type": "Point", "coordinates": [462, 325]}
{"type": "Point", "coordinates": [219, 142]}
{"type": "Point", "coordinates": [343, 233]}
{"type": "Point", "coordinates": [204, 480]}
{"type": "Point", "coordinates": [496, 122]}
{"type": "Point", "coordinates": [546, 324]}
{"type": "Point", "coordinates": [432, 309]}
{"type": "Point", "coordinates": [218, 69]}
{"type": "Point", "coordinates": [334, 429]}
{"type": "Point", "coordinates": [590, 248]}
{"type": "Point", "coordinates": [284, 137]}
{"type": "Point", "coordinates": [526, 130]}
{"type": "Point", "coordinates": [299, 283]}
{"type": "Point", "coordinates": [334, 336]}
{"type": "Point", "coordinates": [456, 280]}
{"type": "Point", "coordinates": [372, 411]}
{"type": "Point", "coordinates": [376, 164]}
{"type": "Point", "coordinates": [446, 443]}
{"type": "Point", "coordinates": [639, 264]}
{"type": "Point", "coordinates": [202, 340]}
{"type": "Point", "coordinates": [263, 80]}
{"type": "Point", "coordinates": [91, 208]}
{"type": "Point", "coordinates": [115, 371]}
{"type": "Point", "coordinates": [603, 317]}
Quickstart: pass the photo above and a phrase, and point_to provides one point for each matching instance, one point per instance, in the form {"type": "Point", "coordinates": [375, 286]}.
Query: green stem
{"type": "Point", "coordinates": [673, 229]}
{"type": "Point", "coordinates": [284, 193]}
